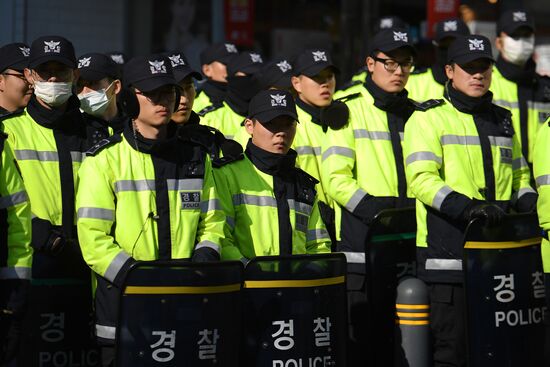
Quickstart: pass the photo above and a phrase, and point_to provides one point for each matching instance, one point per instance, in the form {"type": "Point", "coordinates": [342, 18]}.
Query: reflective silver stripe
{"type": "Point", "coordinates": [519, 163]}
{"type": "Point", "coordinates": [185, 184]}
{"type": "Point", "coordinates": [34, 155]}
{"type": "Point", "coordinates": [210, 205]}
{"type": "Point", "coordinates": [443, 264]}
{"type": "Point", "coordinates": [355, 257]}
{"type": "Point", "coordinates": [506, 104]}
{"type": "Point", "coordinates": [459, 140]}
{"type": "Point", "coordinates": [423, 156]}
{"type": "Point", "coordinates": [134, 185]}
{"type": "Point", "coordinates": [16, 272]}
{"type": "Point", "coordinates": [105, 332]}
{"type": "Point", "coordinates": [230, 221]}
{"type": "Point", "coordinates": [440, 196]}
{"type": "Point", "coordinates": [401, 136]}
{"type": "Point", "coordinates": [526, 190]}
{"type": "Point", "coordinates": [308, 150]}
{"type": "Point", "coordinates": [78, 156]}
{"type": "Point", "coordinates": [542, 180]}
{"type": "Point", "coordinates": [343, 151]}
{"type": "Point", "coordinates": [229, 137]}
{"type": "Point", "coordinates": [317, 234]}
{"type": "Point", "coordinates": [372, 135]}
{"type": "Point", "coordinates": [355, 199]}
{"type": "Point", "coordinates": [246, 199]}
{"type": "Point", "coordinates": [244, 260]}
{"type": "Point", "coordinates": [538, 105]}
{"type": "Point", "coordinates": [115, 265]}
{"type": "Point", "coordinates": [13, 199]}
{"type": "Point", "coordinates": [300, 207]}
{"type": "Point", "coordinates": [208, 244]}
{"type": "Point", "coordinates": [96, 213]}
{"type": "Point", "coordinates": [500, 141]}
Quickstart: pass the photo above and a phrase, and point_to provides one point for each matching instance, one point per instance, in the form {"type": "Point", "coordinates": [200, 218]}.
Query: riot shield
{"type": "Point", "coordinates": [390, 255]}
{"type": "Point", "coordinates": [295, 311]}
{"type": "Point", "coordinates": [179, 313]}
{"type": "Point", "coordinates": [504, 293]}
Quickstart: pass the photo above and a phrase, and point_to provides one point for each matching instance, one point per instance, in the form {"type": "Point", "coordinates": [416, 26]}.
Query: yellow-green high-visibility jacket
{"type": "Point", "coordinates": [349, 89]}
{"type": "Point", "coordinates": [448, 163]}
{"type": "Point", "coordinates": [223, 118]}
{"type": "Point", "coordinates": [423, 86]}
{"type": "Point", "coordinates": [201, 102]}
{"type": "Point", "coordinates": [541, 172]}
{"type": "Point", "coordinates": [510, 95]}
{"type": "Point", "coordinates": [15, 220]}
{"type": "Point", "coordinates": [252, 226]}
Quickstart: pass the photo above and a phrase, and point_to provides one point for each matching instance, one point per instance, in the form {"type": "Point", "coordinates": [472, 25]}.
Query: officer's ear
{"type": "Point", "coordinates": [249, 126]}
{"type": "Point", "coordinates": [207, 70]}
{"type": "Point", "coordinates": [2, 86]}
{"type": "Point", "coordinates": [178, 97]}
{"type": "Point", "coordinates": [117, 86]}
{"type": "Point", "coordinates": [296, 83]}
{"type": "Point", "coordinates": [449, 71]}
{"type": "Point", "coordinates": [499, 42]}
{"type": "Point", "coordinates": [370, 64]}
{"type": "Point", "coordinates": [28, 75]}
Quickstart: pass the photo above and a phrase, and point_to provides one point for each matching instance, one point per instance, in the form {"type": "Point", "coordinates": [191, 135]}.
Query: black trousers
{"type": "Point", "coordinates": [448, 324]}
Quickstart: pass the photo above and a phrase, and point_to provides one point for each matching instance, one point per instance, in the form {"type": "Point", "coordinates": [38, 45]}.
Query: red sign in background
{"type": "Point", "coordinates": [239, 22]}
{"type": "Point", "coordinates": [439, 10]}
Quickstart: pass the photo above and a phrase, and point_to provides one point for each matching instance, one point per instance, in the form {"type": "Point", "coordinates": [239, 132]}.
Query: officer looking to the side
{"type": "Point", "coordinates": [184, 76]}
{"type": "Point", "coordinates": [362, 164]}
{"type": "Point", "coordinates": [15, 91]}
{"type": "Point", "coordinates": [428, 83]}
{"type": "Point", "coordinates": [144, 195]}
{"type": "Point", "coordinates": [214, 60]}
{"type": "Point", "coordinates": [463, 161]}
{"type": "Point", "coordinates": [98, 86]}
{"type": "Point", "coordinates": [16, 259]}
{"type": "Point", "coordinates": [270, 204]}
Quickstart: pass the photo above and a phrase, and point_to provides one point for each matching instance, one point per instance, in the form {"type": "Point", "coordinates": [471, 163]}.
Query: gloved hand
{"type": "Point", "coordinates": [370, 206]}
{"type": "Point", "coordinates": [205, 254]}
{"type": "Point", "coordinates": [491, 213]}
{"type": "Point", "coordinates": [527, 203]}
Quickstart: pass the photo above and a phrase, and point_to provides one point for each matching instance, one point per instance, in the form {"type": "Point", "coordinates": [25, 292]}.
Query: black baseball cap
{"type": "Point", "coordinates": [311, 62]}
{"type": "Point", "coordinates": [511, 20]}
{"type": "Point", "coordinates": [180, 66]}
{"type": "Point", "coordinates": [117, 56]}
{"type": "Point", "coordinates": [222, 52]}
{"type": "Point", "coordinates": [148, 73]}
{"type": "Point", "coordinates": [269, 104]}
{"type": "Point", "coordinates": [391, 39]}
{"type": "Point", "coordinates": [14, 56]}
{"type": "Point", "coordinates": [246, 62]}
{"type": "Point", "coordinates": [390, 21]}
{"type": "Point", "coordinates": [451, 27]}
{"type": "Point", "coordinates": [275, 74]}
{"type": "Point", "coordinates": [469, 48]}
{"type": "Point", "coordinates": [52, 48]}
{"type": "Point", "coordinates": [96, 66]}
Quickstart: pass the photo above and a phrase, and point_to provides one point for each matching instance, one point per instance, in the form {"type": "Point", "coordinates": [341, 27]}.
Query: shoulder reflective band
{"type": "Point", "coordinates": [13, 199]}
{"type": "Point", "coordinates": [459, 140]}
{"type": "Point", "coordinates": [35, 155]}
{"type": "Point", "coordinates": [309, 150]}
{"type": "Point", "coordinates": [293, 283]}
{"type": "Point", "coordinates": [372, 135]}
{"type": "Point", "coordinates": [246, 199]}
{"type": "Point", "coordinates": [335, 150]}
{"type": "Point", "coordinates": [412, 314]}
{"type": "Point", "coordinates": [504, 244]}
{"type": "Point", "coordinates": [134, 185]}
{"type": "Point", "coordinates": [506, 104]}
{"type": "Point", "coordinates": [185, 184]}
{"type": "Point", "coordinates": [132, 289]}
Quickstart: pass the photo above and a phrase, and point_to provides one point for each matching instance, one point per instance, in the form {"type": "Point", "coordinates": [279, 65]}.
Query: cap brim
{"type": "Point", "coordinates": [19, 66]}
{"type": "Point", "coordinates": [151, 84]}
{"type": "Point", "coordinates": [315, 69]}
{"type": "Point", "coordinates": [44, 59]}
{"type": "Point", "coordinates": [511, 28]}
{"type": "Point", "coordinates": [265, 117]}
{"type": "Point", "coordinates": [225, 59]}
{"type": "Point", "coordinates": [182, 73]}
{"type": "Point", "coordinates": [390, 48]}
{"type": "Point", "coordinates": [92, 75]}
{"type": "Point", "coordinates": [466, 58]}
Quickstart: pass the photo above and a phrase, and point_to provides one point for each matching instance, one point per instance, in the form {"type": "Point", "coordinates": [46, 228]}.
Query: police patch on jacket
{"type": "Point", "coordinates": [102, 144]}
{"type": "Point", "coordinates": [190, 200]}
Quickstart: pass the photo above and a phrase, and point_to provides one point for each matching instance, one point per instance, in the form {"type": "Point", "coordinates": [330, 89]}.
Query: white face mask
{"type": "Point", "coordinates": [543, 60]}
{"type": "Point", "coordinates": [517, 51]}
{"type": "Point", "coordinates": [95, 102]}
{"type": "Point", "coordinates": [53, 93]}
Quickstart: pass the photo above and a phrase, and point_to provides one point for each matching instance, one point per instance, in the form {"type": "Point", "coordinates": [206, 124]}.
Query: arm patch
{"type": "Point", "coordinates": [426, 105]}
{"type": "Point", "coordinates": [102, 144]}
{"type": "Point", "coordinates": [210, 108]}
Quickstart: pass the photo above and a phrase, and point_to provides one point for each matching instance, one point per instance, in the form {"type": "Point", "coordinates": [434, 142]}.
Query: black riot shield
{"type": "Point", "coordinates": [57, 329]}
{"type": "Point", "coordinates": [390, 255]}
{"type": "Point", "coordinates": [295, 311]}
{"type": "Point", "coordinates": [178, 313]}
{"type": "Point", "coordinates": [504, 293]}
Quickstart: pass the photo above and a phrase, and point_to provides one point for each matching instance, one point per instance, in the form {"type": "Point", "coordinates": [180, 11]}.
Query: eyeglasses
{"type": "Point", "coordinates": [19, 76]}
{"type": "Point", "coordinates": [392, 65]}
{"type": "Point", "coordinates": [156, 96]}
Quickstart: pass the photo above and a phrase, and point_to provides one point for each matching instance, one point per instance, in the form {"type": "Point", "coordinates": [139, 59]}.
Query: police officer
{"type": "Point", "coordinates": [98, 86]}
{"type": "Point", "coordinates": [156, 200]}
{"type": "Point", "coordinates": [184, 76]}
{"type": "Point", "coordinates": [16, 259]}
{"type": "Point", "coordinates": [214, 60]}
{"type": "Point", "coordinates": [242, 85]}
{"type": "Point", "coordinates": [15, 91]}
{"type": "Point", "coordinates": [428, 83]}
{"type": "Point", "coordinates": [463, 161]}
{"type": "Point", "coordinates": [514, 81]}
{"type": "Point", "coordinates": [362, 163]}
{"type": "Point", "coordinates": [271, 206]}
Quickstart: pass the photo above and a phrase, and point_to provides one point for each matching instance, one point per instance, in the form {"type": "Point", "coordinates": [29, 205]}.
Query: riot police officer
{"type": "Point", "coordinates": [15, 91]}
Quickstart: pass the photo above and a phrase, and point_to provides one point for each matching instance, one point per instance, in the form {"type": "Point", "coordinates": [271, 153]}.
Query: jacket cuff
{"type": "Point", "coordinates": [454, 205]}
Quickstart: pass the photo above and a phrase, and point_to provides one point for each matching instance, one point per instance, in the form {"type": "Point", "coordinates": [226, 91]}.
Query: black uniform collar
{"type": "Point", "coordinates": [194, 119]}
{"type": "Point", "coordinates": [237, 104]}
{"type": "Point", "coordinates": [313, 111]}
{"type": "Point", "coordinates": [515, 73]}
{"type": "Point", "coordinates": [55, 117]}
{"type": "Point", "coordinates": [467, 104]}
{"type": "Point", "coordinates": [3, 111]}
{"type": "Point", "coordinates": [389, 102]}
{"type": "Point", "coordinates": [214, 90]}
{"type": "Point", "coordinates": [149, 146]}
{"type": "Point", "coordinates": [271, 163]}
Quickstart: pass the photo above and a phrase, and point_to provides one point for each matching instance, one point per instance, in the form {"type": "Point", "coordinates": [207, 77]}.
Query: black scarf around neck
{"type": "Point", "coordinates": [467, 104]}
{"type": "Point", "coordinates": [396, 103]}
{"type": "Point", "coordinates": [523, 75]}
{"type": "Point", "coordinates": [313, 111]}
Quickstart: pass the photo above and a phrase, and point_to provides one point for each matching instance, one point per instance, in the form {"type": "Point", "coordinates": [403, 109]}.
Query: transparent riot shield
{"type": "Point", "coordinates": [295, 311]}
{"type": "Point", "coordinates": [178, 313]}
{"type": "Point", "coordinates": [504, 293]}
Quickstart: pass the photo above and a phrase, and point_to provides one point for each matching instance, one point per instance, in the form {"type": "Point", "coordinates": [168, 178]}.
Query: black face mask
{"type": "Point", "coordinates": [244, 87]}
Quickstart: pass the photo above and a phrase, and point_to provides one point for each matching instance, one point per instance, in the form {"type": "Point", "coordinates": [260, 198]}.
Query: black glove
{"type": "Point", "coordinates": [527, 203]}
{"type": "Point", "coordinates": [491, 213]}
{"type": "Point", "coordinates": [205, 254]}
{"type": "Point", "coordinates": [47, 238]}
{"type": "Point", "coordinates": [370, 206]}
